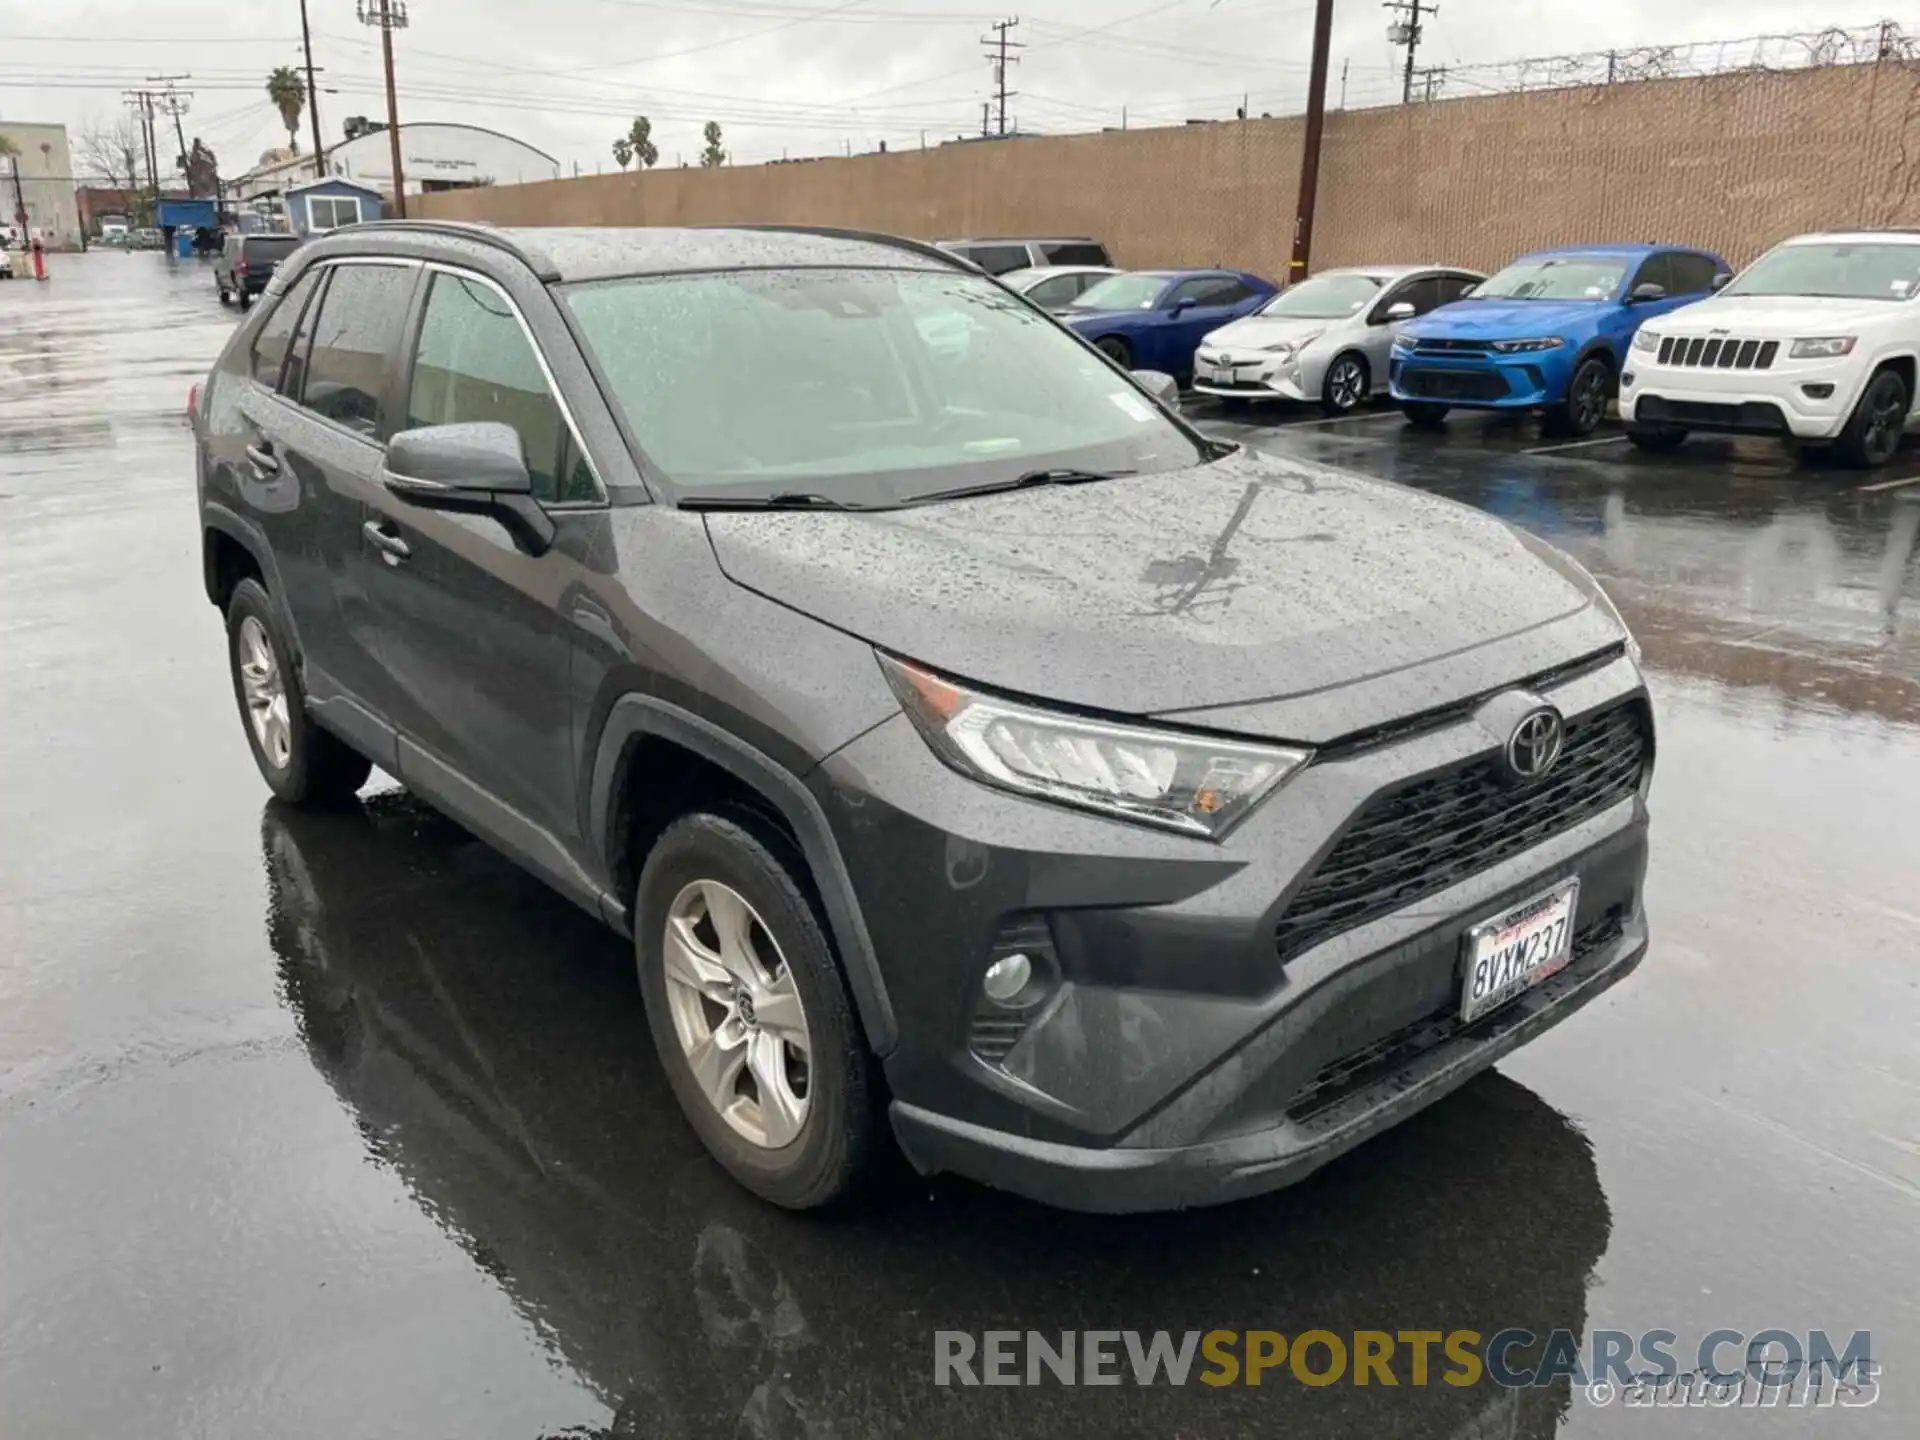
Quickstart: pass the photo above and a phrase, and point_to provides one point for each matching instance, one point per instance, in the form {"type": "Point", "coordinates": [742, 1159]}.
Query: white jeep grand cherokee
{"type": "Point", "coordinates": [1816, 341]}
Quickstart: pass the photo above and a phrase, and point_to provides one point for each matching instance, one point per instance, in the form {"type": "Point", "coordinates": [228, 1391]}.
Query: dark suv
{"type": "Point", "coordinates": [967, 743]}
{"type": "Point", "coordinates": [246, 263]}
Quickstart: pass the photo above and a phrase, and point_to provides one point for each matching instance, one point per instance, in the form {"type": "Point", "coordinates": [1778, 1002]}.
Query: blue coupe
{"type": "Point", "coordinates": [1549, 332]}
{"type": "Point", "coordinates": [1155, 319]}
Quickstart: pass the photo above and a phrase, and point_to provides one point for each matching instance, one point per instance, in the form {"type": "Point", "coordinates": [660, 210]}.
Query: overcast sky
{"type": "Point", "coordinates": [794, 76]}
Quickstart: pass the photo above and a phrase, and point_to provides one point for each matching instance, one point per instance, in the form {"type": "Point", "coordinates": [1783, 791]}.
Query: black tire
{"type": "Point", "coordinates": [835, 1147]}
{"type": "Point", "coordinates": [319, 768]}
{"type": "Point", "coordinates": [1337, 395]}
{"type": "Point", "coordinates": [1423, 414]}
{"type": "Point", "coordinates": [226, 295]}
{"type": "Point", "coordinates": [1873, 431]}
{"type": "Point", "coordinates": [1656, 437]}
{"type": "Point", "coordinates": [1116, 350]}
{"type": "Point", "coordinates": [1580, 414]}
{"type": "Point", "coordinates": [244, 297]}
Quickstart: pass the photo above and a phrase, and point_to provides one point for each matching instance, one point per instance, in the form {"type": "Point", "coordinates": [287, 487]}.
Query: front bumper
{"type": "Point", "coordinates": [1236, 374]}
{"type": "Point", "coordinates": [1480, 379]}
{"type": "Point", "coordinates": [1776, 401]}
{"type": "Point", "coordinates": [1184, 1054]}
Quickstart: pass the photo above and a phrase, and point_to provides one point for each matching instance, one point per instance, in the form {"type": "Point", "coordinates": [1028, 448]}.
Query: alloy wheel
{"type": "Point", "coordinates": [1344, 385]}
{"type": "Point", "coordinates": [737, 1014]}
{"type": "Point", "coordinates": [266, 691]}
{"type": "Point", "coordinates": [1590, 403]}
{"type": "Point", "coordinates": [1884, 421]}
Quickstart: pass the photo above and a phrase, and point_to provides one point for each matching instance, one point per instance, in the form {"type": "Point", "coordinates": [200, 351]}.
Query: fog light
{"type": "Point", "coordinates": [1006, 978]}
{"type": "Point", "coordinates": [1626, 379]}
{"type": "Point", "coordinates": [1817, 392]}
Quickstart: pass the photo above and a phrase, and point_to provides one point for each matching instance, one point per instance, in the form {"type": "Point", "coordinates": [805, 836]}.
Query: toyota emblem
{"type": "Point", "coordinates": [1534, 747]}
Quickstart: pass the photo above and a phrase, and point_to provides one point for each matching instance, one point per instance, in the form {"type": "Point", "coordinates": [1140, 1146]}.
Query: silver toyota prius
{"type": "Point", "coordinates": [1326, 339]}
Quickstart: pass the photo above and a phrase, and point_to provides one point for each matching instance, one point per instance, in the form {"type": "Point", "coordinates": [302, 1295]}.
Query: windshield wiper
{"type": "Point", "coordinates": [1033, 479]}
{"type": "Point", "coordinates": [783, 500]}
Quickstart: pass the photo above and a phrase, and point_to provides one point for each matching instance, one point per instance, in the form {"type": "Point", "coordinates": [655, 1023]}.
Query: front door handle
{"type": "Point", "coordinates": [391, 547]}
{"type": "Point", "coordinates": [263, 458]}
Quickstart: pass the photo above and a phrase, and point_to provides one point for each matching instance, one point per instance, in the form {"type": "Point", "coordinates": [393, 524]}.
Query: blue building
{"type": "Point", "coordinates": [323, 205]}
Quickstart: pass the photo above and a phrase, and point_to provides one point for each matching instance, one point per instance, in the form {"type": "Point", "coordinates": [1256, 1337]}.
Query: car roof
{"type": "Point", "coordinates": [559, 254]}
{"type": "Point", "coordinates": [1042, 271]}
{"type": "Point", "coordinates": [1858, 237]}
{"type": "Point", "coordinates": [1395, 272]}
{"type": "Point", "coordinates": [1019, 240]}
{"type": "Point", "coordinates": [1621, 252]}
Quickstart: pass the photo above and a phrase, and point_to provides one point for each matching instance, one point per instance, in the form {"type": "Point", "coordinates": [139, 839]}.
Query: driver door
{"type": "Point", "coordinates": [1216, 302]}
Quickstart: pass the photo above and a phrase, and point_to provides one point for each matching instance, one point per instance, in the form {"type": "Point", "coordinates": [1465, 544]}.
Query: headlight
{"type": "Point", "coordinates": [1292, 347]}
{"type": "Point", "coordinates": [1822, 347]}
{"type": "Point", "coordinates": [1404, 344]}
{"type": "Point", "coordinates": [1190, 783]}
{"type": "Point", "coordinates": [1644, 339]}
{"type": "Point", "coordinates": [1515, 347]}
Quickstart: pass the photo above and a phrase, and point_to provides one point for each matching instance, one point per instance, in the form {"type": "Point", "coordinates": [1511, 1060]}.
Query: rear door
{"type": "Point", "coordinates": [472, 629]}
{"type": "Point", "coordinates": [337, 397]}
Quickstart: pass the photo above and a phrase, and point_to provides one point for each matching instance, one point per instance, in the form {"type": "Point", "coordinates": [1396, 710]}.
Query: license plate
{"type": "Point", "coordinates": [1223, 375]}
{"type": "Point", "coordinates": [1517, 950]}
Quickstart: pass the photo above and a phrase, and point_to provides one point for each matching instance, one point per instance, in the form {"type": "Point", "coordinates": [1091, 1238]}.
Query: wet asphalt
{"type": "Point", "coordinates": [340, 1126]}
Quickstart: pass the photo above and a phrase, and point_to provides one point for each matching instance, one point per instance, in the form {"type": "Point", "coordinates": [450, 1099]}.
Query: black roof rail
{"type": "Point", "coordinates": [926, 249]}
{"type": "Point", "coordinates": [459, 230]}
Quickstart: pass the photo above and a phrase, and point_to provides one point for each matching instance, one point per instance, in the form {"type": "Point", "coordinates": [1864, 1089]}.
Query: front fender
{"type": "Point", "coordinates": [635, 717]}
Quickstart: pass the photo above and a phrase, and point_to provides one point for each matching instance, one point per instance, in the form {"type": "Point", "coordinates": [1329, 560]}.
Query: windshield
{"type": "Point", "coordinates": [1556, 277]}
{"type": "Point", "coordinates": [1123, 292]}
{"type": "Point", "coordinates": [1324, 297]}
{"type": "Point", "coordinates": [865, 387]}
{"type": "Point", "coordinates": [1850, 272]}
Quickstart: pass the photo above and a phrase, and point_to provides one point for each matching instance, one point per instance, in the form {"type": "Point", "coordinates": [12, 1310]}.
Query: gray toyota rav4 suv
{"type": "Point", "coordinates": [972, 749]}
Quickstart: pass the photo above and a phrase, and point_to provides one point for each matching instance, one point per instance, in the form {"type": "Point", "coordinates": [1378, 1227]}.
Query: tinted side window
{"type": "Point", "coordinates": [998, 259]}
{"type": "Point", "coordinates": [1074, 252]}
{"type": "Point", "coordinates": [1653, 271]}
{"type": "Point", "coordinates": [1211, 290]}
{"type": "Point", "coordinates": [354, 339]}
{"type": "Point", "coordinates": [1692, 274]}
{"type": "Point", "coordinates": [1422, 294]}
{"type": "Point", "coordinates": [1056, 291]}
{"type": "Point", "coordinates": [474, 363]}
{"type": "Point", "coordinates": [270, 345]}
{"type": "Point", "coordinates": [1454, 287]}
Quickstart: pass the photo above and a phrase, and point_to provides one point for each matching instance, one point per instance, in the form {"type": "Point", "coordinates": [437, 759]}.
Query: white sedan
{"type": "Point", "coordinates": [1327, 339]}
{"type": "Point", "coordinates": [1054, 287]}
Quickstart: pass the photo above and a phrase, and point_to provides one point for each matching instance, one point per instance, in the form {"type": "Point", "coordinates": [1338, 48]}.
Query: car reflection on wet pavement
{"type": "Point", "coordinates": [337, 1124]}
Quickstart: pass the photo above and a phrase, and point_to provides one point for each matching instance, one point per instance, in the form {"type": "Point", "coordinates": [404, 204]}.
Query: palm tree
{"type": "Point", "coordinates": [289, 95]}
{"type": "Point", "coordinates": [623, 152]}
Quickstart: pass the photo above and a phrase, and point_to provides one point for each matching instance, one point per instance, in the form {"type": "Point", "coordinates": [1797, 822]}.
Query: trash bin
{"type": "Point", "coordinates": [183, 244]}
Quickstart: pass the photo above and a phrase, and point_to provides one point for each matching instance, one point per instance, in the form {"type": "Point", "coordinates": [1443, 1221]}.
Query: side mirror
{"type": "Point", "coordinates": [1183, 304]}
{"type": "Point", "coordinates": [477, 469]}
{"type": "Point", "coordinates": [1648, 291]}
{"type": "Point", "coordinates": [1400, 310]}
{"type": "Point", "coordinates": [1723, 279]}
{"type": "Point", "coordinates": [1162, 386]}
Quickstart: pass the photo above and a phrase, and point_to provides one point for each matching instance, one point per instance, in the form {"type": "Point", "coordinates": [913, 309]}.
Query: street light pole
{"type": "Point", "coordinates": [390, 15]}
{"type": "Point", "coordinates": [1310, 156]}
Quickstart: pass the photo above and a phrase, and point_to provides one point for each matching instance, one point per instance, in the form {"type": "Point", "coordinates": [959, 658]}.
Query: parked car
{"type": "Point", "coordinates": [1327, 339]}
{"type": "Point", "coordinates": [6, 264]}
{"type": "Point", "coordinates": [880, 695]}
{"type": "Point", "coordinates": [1550, 333]}
{"type": "Point", "coordinates": [1002, 255]}
{"type": "Point", "coordinates": [1054, 287]}
{"type": "Point", "coordinates": [1154, 319]}
{"type": "Point", "coordinates": [247, 262]}
{"type": "Point", "coordinates": [146, 238]}
{"type": "Point", "coordinates": [1817, 341]}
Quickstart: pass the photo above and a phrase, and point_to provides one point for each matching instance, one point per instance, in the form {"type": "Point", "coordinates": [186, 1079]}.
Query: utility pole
{"type": "Point", "coordinates": [1432, 78]}
{"type": "Point", "coordinates": [172, 102]}
{"type": "Point", "coordinates": [313, 95]}
{"type": "Point", "coordinates": [1345, 65]}
{"type": "Point", "coordinates": [389, 16]}
{"type": "Point", "coordinates": [1408, 32]}
{"type": "Point", "coordinates": [999, 44]}
{"type": "Point", "coordinates": [141, 103]}
{"type": "Point", "coordinates": [986, 118]}
{"type": "Point", "coordinates": [1310, 157]}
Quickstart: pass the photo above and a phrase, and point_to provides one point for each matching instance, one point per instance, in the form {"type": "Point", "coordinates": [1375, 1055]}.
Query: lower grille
{"type": "Point", "coordinates": [1352, 1073]}
{"type": "Point", "coordinates": [1699, 352]}
{"type": "Point", "coordinates": [1758, 416]}
{"type": "Point", "coordinates": [1420, 839]}
{"type": "Point", "coordinates": [1454, 384]}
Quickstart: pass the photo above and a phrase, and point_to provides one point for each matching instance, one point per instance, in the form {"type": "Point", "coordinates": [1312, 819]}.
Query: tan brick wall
{"type": "Point", "coordinates": [1732, 162]}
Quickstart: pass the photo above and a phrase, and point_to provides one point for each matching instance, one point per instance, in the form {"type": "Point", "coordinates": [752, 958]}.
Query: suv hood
{"type": "Point", "coordinates": [1258, 330]}
{"type": "Point", "coordinates": [1248, 580]}
{"type": "Point", "coordinates": [1502, 319]}
{"type": "Point", "coordinates": [1781, 317]}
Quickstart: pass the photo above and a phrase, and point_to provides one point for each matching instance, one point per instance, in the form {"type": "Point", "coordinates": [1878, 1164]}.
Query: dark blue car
{"type": "Point", "coordinates": [1549, 332]}
{"type": "Point", "coordinates": [1156, 319]}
